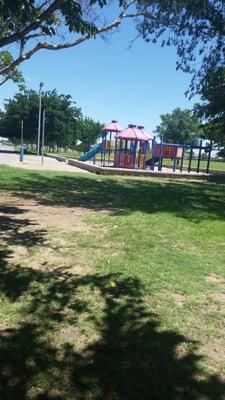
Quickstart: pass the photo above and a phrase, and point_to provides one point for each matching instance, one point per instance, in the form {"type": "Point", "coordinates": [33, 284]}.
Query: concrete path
{"type": "Point", "coordinates": [34, 162]}
{"type": "Point", "coordinates": [50, 164]}
{"type": "Point", "coordinates": [7, 155]}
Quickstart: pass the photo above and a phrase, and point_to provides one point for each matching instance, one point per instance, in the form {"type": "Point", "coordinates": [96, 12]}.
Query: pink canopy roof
{"type": "Point", "coordinates": [113, 127]}
{"type": "Point", "coordinates": [145, 133]}
{"type": "Point", "coordinates": [134, 133]}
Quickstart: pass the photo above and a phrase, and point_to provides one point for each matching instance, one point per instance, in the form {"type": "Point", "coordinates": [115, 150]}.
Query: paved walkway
{"type": "Point", "coordinates": [9, 157]}
{"type": "Point", "coordinates": [34, 162]}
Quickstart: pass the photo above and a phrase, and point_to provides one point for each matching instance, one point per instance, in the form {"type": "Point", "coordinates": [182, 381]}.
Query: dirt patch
{"type": "Point", "coordinates": [37, 234]}
{"type": "Point", "coordinates": [215, 351]}
{"type": "Point", "coordinates": [64, 218]}
{"type": "Point", "coordinates": [178, 298]}
{"type": "Point", "coordinates": [219, 297]}
{"type": "Point", "coordinates": [73, 335]}
{"type": "Point", "coordinates": [213, 278]}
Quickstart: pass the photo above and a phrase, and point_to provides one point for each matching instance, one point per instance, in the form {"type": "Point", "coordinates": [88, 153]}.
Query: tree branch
{"type": "Point", "coordinates": [7, 77]}
{"type": "Point", "coordinates": [33, 26]}
{"type": "Point", "coordinates": [23, 56]}
{"type": "Point", "coordinates": [49, 46]}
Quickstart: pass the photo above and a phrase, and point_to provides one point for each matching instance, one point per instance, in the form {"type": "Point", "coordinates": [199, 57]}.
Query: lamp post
{"type": "Point", "coordinates": [22, 133]}
{"type": "Point", "coordinates": [39, 119]}
{"type": "Point", "coordinates": [21, 144]}
{"type": "Point", "coordinates": [43, 139]}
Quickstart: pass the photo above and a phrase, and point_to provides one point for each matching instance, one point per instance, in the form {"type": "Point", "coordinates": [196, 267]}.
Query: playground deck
{"type": "Point", "coordinates": [110, 170]}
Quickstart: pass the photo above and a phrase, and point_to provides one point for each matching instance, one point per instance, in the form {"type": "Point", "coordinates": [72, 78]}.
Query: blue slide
{"type": "Point", "coordinates": [91, 153]}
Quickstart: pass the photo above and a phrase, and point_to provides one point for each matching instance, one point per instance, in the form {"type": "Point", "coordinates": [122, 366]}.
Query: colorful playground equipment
{"type": "Point", "coordinates": [91, 153]}
{"type": "Point", "coordinates": [134, 148]}
{"type": "Point", "coordinates": [176, 153]}
{"type": "Point", "coordinates": [108, 143]}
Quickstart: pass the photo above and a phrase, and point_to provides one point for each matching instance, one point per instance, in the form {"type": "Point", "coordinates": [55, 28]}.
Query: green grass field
{"type": "Point", "coordinates": [111, 288]}
{"type": "Point", "coordinates": [214, 165]}
{"type": "Point", "coordinates": [69, 153]}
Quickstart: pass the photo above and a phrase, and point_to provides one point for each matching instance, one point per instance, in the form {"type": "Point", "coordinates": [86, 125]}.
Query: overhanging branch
{"type": "Point", "coordinates": [33, 26]}
{"type": "Point", "coordinates": [23, 56]}
{"type": "Point", "coordinates": [49, 46]}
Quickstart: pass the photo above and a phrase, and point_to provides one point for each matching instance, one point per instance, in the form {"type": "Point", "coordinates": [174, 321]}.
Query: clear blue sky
{"type": "Point", "coordinates": [109, 81]}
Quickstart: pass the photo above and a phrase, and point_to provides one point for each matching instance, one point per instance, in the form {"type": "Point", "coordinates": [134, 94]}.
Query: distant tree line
{"type": "Point", "coordinates": [65, 127]}
{"type": "Point", "coordinates": [180, 126]}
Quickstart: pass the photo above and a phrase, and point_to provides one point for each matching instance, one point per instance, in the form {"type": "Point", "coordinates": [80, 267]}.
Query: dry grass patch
{"type": "Point", "coordinates": [214, 278]}
{"type": "Point", "coordinates": [59, 217]}
{"type": "Point", "coordinates": [215, 356]}
{"type": "Point", "coordinates": [178, 298]}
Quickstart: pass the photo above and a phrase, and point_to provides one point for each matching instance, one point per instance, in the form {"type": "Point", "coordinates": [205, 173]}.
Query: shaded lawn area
{"type": "Point", "coordinates": [132, 307]}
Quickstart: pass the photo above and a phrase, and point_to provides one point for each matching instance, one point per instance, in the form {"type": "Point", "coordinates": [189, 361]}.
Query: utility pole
{"type": "Point", "coordinates": [43, 139]}
{"type": "Point", "coordinates": [39, 119]}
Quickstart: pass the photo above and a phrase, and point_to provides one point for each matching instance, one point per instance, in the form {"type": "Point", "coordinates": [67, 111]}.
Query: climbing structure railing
{"type": "Point", "coordinates": [177, 154]}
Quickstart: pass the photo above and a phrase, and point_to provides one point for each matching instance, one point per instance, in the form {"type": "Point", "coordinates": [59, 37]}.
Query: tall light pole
{"type": "Point", "coordinates": [39, 119]}
{"type": "Point", "coordinates": [43, 139]}
{"type": "Point", "coordinates": [22, 133]}
{"type": "Point", "coordinates": [21, 144]}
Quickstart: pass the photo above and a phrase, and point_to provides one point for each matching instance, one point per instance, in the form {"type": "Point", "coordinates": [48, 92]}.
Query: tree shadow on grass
{"type": "Point", "coordinates": [194, 201]}
{"type": "Point", "coordinates": [132, 357]}
{"type": "Point", "coordinates": [17, 230]}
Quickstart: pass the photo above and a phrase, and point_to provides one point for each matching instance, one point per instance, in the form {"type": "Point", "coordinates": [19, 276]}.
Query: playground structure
{"type": "Point", "coordinates": [107, 146]}
{"type": "Point", "coordinates": [134, 148]}
{"type": "Point", "coordinates": [109, 141]}
{"type": "Point", "coordinates": [176, 153]}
